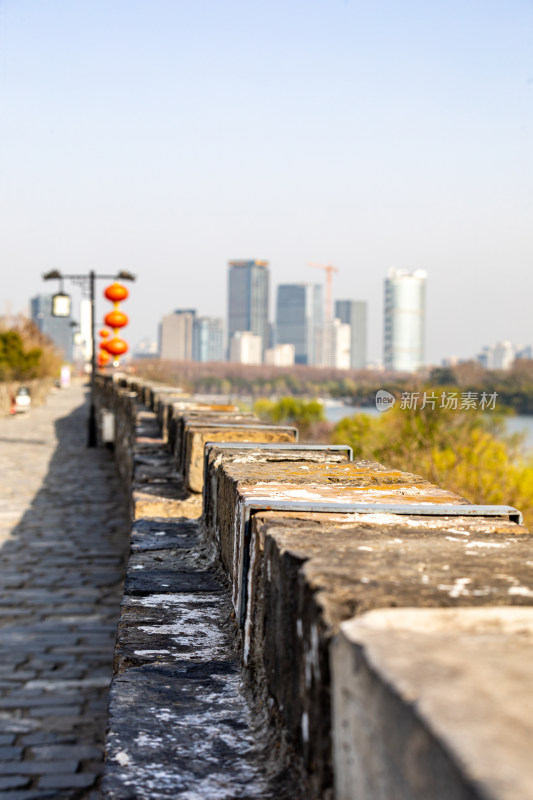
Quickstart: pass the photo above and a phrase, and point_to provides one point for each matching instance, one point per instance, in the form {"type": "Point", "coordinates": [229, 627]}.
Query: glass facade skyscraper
{"type": "Point", "coordinates": [248, 299]}
{"type": "Point", "coordinates": [405, 311]}
{"type": "Point", "coordinates": [208, 339]}
{"type": "Point", "coordinates": [353, 313]}
{"type": "Point", "coordinates": [299, 312]}
{"type": "Point", "coordinates": [59, 329]}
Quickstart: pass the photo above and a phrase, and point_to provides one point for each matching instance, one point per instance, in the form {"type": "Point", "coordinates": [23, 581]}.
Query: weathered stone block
{"type": "Point", "coordinates": [283, 453]}
{"type": "Point", "coordinates": [202, 415]}
{"type": "Point", "coordinates": [196, 435]}
{"type": "Point", "coordinates": [190, 407]}
{"type": "Point", "coordinates": [355, 482]}
{"type": "Point", "coordinates": [434, 704]}
{"type": "Point", "coordinates": [148, 505]}
{"type": "Point", "coordinates": [319, 570]}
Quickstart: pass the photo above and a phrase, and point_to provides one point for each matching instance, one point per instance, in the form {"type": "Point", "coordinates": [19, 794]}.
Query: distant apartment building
{"type": "Point", "coordinates": [146, 348]}
{"type": "Point", "coordinates": [525, 353]}
{"type": "Point", "coordinates": [58, 329]}
{"type": "Point", "coordinates": [497, 356]}
{"type": "Point", "coordinates": [245, 348]}
{"type": "Point", "coordinates": [405, 310]}
{"type": "Point", "coordinates": [248, 299]}
{"type": "Point", "coordinates": [333, 345]}
{"type": "Point", "coordinates": [502, 355]}
{"type": "Point", "coordinates": [299, 313]}
{"type": "Point", "coordinates": [281, 355]}
{"type": "Point", "coordinates": [208, 339]}
{"type": "Point", "coordinates": [176, 335]}
{"type": "Point", "coordinates": [353, 313]}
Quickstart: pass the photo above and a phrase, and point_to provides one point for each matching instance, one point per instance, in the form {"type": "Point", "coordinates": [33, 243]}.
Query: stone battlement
{"type": "Point", "coordinates": [299, 624]}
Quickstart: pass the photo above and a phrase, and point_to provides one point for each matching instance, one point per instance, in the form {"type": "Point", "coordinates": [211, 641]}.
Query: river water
{"type": "Point", "coordinates": [515, 424]}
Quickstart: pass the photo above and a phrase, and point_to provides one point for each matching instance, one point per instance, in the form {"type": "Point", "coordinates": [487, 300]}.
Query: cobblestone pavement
{"type": "Point", "coordinates": [63, 543]}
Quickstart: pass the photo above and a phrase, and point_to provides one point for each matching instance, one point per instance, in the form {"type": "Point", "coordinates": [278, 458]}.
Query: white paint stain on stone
{"type": "Point", "coordinates": [249, 604]}
{"type": "Point", "coordinates": [458, 589]}
{"type": "Point", "coordinates": [221, 718]}
{"type": "Point", "coordinates": [305, 726]}
{"type": "Point", "coordinates": [520, 591]}
{"type": "Point", "coordinates": [487, 544]}
{"type": "Point", "coordinates": [197, 639]}
{"type": "Point", "coordinates": [151, 652]}
{"type": "Point", "coordinates": [177, 599]}
{"type": "Point", "coordinates": [314, 652]}
{"type": "Point", "coordinates": [122, 758]}
{"type": "Point", "coordinates": [237, 532]}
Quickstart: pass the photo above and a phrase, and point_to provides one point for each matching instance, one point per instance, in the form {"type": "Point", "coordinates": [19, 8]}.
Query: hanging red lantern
{"type": "Point", "coordinates": [104, 333]}
{"type": "Point", "coordinates": [103, 358]}
{"type": "Point", "coordinates": [116, 346]}
{"type": "Point", "coordinates": [116, 292]}
{"type": "Point", "coordinates": [116, 319]}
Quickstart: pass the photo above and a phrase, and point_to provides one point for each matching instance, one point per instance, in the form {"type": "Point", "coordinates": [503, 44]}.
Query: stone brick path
{"type": "Point", "coordinates": [63, 542]}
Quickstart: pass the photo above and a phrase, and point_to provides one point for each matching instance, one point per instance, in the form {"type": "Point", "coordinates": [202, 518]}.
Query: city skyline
{"type": "Point", "coordinates": [167, 137]}
{"type": "Point", "coordinates": [207, 334]}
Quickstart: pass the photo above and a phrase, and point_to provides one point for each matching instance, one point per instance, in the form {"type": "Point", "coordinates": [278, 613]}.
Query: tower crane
{"type": "Point", "coordinates": [329, 269]}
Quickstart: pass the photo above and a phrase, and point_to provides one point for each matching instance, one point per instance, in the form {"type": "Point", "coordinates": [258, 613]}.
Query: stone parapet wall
{"type": "Point", "coordinates": [384, 623]}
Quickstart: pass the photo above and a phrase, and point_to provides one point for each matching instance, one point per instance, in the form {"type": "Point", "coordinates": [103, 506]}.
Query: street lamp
{"type": "Point", "coordinates": [86, 282]}
{"type": "Point", "coordinates": [61, 304]}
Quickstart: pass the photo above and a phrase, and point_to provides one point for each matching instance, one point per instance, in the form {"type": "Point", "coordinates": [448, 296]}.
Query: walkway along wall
{"type": "Point", "coordinates": [384, 624]}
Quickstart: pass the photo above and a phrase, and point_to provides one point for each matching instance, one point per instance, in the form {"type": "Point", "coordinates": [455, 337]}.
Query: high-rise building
{"type": "Point", "coordinates": [405, 310]}
{"type": "Point", "coordinates": [145, 349]}
{"type": "Point", "coordinates": [59, 329]}
{"type": "Point", "coordinates": [353, 313]}
{"type": "Point", "coordinates": [176, 334]}
{"type": "Point", "coordinates": [281, 355]}
{"type": "Point", "coordinates": [248, 293]}
{"type": "Point", "coordinates": [333, 345]}
{"type": "Point", "coordinates": [208, 339]}
{"type": "Point", "coordinates": [245, 348]}
{"type": "Point", "coordinates": [299, 312]}
{"type": "Point", "coordinates": [498, 356]}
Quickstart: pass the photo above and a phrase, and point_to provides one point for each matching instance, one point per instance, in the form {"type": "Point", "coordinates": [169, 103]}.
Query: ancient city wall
{"type": "Point", "coordinates": [384, 624]}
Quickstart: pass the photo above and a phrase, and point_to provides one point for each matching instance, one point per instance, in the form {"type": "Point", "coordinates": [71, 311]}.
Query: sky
{"type": "Point", "coordinates": [167, 137]}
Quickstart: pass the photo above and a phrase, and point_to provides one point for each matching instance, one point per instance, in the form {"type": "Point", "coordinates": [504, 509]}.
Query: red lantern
{"type": "Point", "coordinates": [103, 358]}
{"type": "Point", "coordinates": [116, 319]}
{"type": "Point", "coordinates": [116, 292]}
{"type": "Point", "coordinates": [104, 333]}
{"type": "Point", "coordinates": [116, 346]}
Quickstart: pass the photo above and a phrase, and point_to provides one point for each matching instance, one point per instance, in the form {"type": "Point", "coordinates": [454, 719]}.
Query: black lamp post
{"type": "Point", "coordinates": [61, 308]}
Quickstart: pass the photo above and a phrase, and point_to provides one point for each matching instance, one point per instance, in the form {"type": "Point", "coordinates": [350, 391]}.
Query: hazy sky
{"type": "Point", "coordinates": [168, 136]}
